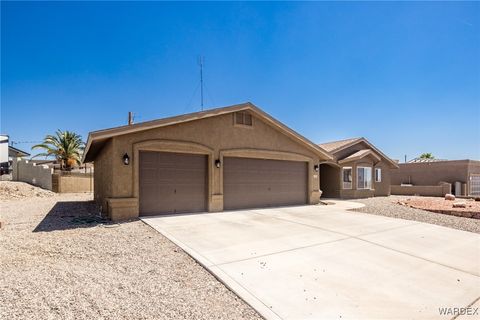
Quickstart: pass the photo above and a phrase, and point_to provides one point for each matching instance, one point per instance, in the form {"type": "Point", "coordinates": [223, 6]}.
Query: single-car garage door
{"type": "Point", "coordinates": [172, 182]}
{"type": "Point", "coordinates": [255, 183]}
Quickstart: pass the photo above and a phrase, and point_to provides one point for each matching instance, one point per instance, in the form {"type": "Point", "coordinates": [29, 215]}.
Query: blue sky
{"type": "Point", "coordinates": [404, 75]}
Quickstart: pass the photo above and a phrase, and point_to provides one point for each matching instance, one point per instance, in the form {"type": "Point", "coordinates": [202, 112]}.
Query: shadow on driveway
{"type": "Point", "coordinates": [71, 215]}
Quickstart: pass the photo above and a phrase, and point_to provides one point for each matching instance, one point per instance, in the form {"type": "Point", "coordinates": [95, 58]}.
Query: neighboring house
{"type": "Point", "coordinates": [463, 175]}
{"type": "Point", "coordinates": [8, 154]}
{"type": "Point", "coordinates": [4, 164]}
{"type": "Point", "coordinates": [228, 158]}
{"type": "Point", "coordinates": [14, 153]}
{"type": "Point", "coordinates": [358, 170]}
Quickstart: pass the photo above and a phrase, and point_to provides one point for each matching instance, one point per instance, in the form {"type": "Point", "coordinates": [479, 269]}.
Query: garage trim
{"type": "Point", "coordinates": [177, 147]}
{"type": "Point", "coordinates": [313, 185]}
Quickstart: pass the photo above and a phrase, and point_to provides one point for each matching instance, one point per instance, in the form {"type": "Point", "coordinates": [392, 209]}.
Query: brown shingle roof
{"type": "Point", "coordinates": [334, 145]}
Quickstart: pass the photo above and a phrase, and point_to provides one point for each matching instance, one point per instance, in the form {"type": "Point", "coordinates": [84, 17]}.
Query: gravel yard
{"type": "Point", "coordinates": [58, 261]}
{"type": "Point", "coordinates": [387, 206]}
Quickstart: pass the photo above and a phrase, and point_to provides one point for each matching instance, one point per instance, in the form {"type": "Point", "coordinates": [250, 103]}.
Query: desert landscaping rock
{"type": "Point", "coordinates": [60, 261]}
{"type": "Point", "coordinates": [390, 207]}
{"type": "Point", "coordinates": [459, 204]}
{"type": "Point", "coordinates": [449, 196]}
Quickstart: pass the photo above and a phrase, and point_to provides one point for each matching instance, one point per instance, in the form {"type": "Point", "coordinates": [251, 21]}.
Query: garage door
{"type": "Point", "coordinates": [172, 183]}
{"type": "Point", "coordinates": [255, 183]}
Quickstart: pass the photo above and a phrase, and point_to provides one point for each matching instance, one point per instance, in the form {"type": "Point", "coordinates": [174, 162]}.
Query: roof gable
{"type": "Point", "coordinates": [337, 146]}
{"type": "Point", "coordinates": [99, 137]}
{"type": "Point", "coordinates": [360, 155]}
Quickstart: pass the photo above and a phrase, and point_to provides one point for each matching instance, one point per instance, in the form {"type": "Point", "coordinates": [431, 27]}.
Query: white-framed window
{"type": "Point", "coordinates": [378, 174]}
{"type": "Point", "coordinates": [347, 177]}
{"type": "Point", "coordinates": [364, 178]}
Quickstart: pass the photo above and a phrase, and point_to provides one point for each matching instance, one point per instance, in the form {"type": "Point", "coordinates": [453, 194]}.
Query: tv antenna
{"type": "Point", "coordinates": [201, 61]}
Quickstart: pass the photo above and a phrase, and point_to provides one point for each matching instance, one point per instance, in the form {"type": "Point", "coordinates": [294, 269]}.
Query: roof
{"type": "Point", "coordinates": [359, 155]}
{"type": "Point", "coordinates": [336, 146]}
{"type": "Point", "coordinates": [96, 139]}
{"type": "Point", "coordinates": [416, 160]}
{"type": "Point", "coordinates": [18, 152]}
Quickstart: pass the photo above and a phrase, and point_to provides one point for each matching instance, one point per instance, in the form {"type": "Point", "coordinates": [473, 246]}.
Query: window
{"type": "Point", "coordinates": [347, 178]}
{"type": "Point", "coordinates": [378, 175]}
{"type": "Point", "coordinates": [364, 178]}
{"type": "Point", "coordinates": [243, 118]}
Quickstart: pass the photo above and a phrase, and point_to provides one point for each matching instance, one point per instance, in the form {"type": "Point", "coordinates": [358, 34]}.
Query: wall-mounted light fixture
{"type": "Point", "coordinates": [218, 163]}
{"type": "Point", "coordinates": [126, 159]}
{"type": "Point", "coordinates": [316, 167]}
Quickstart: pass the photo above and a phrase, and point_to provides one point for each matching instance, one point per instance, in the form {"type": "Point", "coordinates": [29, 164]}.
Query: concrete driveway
{"type": "Point", "coordinates": [324, 262]}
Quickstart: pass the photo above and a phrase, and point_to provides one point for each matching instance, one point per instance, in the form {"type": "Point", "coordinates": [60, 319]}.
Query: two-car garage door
{"type": "Point", "coordinates": [255, 183]}
{"type": "Point", "coordinates": [178, 182]}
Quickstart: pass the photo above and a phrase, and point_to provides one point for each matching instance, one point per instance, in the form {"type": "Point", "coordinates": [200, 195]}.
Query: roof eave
{"type": "Point", "coordinates": [117, 131]}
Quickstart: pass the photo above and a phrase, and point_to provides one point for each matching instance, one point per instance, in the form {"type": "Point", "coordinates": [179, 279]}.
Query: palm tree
{"type": "Point", "coordinates": [426, 155]}
{"type": "Point", "coordinates": [65, 146]}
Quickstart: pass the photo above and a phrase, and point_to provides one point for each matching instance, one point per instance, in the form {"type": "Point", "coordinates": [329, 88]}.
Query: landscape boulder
{"type": "Point", "coordinates": [460, 204]}
{"type": "Point", "coordinates": [449, 196]}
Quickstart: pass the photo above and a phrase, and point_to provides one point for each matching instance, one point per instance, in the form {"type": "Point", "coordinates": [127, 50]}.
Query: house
{"type": "Point", "coordinates": [358, 170]}
{"type": "Point", "coordinates": [424, 176]}
{"type": "Point", "coordinates": [8, 154]}
{"type": "Point", "coordinates": [234, 157]}
{"type": "Point", "coordinates": [16, 153]}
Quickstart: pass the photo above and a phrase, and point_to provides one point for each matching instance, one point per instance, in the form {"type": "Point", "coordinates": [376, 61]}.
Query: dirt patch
{"type": "Point", "coordinates": [471, 208]}
{"type": "Point", "coordinates": [10, 190]}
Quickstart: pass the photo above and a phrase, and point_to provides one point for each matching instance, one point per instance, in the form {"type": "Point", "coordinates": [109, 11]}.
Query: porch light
{"type": "Point", "coordinates": [316, 167]}
{"type": "Point", "coordinates": [217, 163]}
{"type": "Point", "coordinates": [126, 159]}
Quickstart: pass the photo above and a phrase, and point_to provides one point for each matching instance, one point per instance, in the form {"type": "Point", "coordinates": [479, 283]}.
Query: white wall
{"type": "Point", "coordinates": [3, 148]}
{"type": "Point", "coordinates": [38, 175]}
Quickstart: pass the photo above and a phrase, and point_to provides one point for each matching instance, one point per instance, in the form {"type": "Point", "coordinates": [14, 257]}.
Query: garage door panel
{"type": "Point", "coordinates": [250, 183]}
{"type": "Point", "coordinates": [172, 183]}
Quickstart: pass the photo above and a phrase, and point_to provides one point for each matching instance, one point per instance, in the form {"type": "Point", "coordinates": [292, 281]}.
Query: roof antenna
{"type": "Point", "coordinates": [201, 61]}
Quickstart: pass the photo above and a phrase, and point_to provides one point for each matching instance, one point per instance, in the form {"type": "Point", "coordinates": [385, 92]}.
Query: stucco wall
{"type": "Point", "coordinates": [428, 191]}
{"type": "Point", "coordinates": [38, 175]}
{"type": "Point", "coordinates": [382, 188]}
{"type": "Point", "coordinates": [432, 173]}
{"type": "Point", "coordinates": [72, 183]}
{"type": "Point", "coordinates": [216, 136]}
{"type": "Point", "coordinates": [103, 175]}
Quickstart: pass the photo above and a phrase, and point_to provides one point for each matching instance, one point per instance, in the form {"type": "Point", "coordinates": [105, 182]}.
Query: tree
{"type": "Point", "coordinates": [65, 146]}
{"type": "Point", "coordinates": [427, 155]}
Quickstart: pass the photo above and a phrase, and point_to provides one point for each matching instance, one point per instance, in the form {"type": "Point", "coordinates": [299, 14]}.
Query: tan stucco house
{"type": "Point", "coordinates": [227, 158]}
{"type": "Point", "coordinates": [358, 170]}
